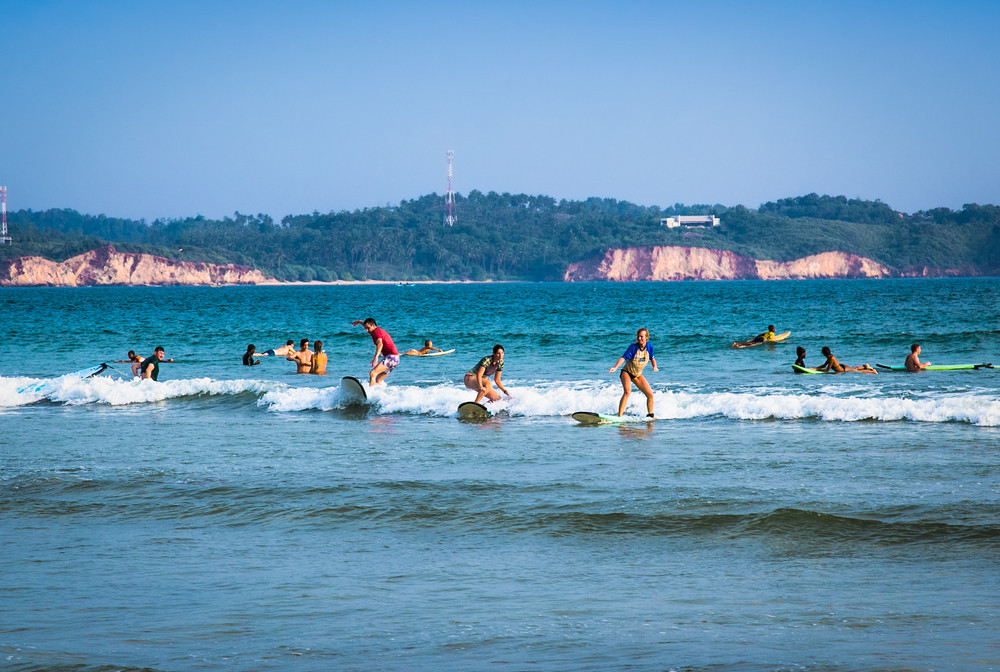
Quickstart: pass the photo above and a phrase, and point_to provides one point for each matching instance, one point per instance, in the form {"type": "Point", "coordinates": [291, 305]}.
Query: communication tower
{"type": "Point", "coordinates": [450, 219]}
{"type": "Point", "coordinates": [4, 238]}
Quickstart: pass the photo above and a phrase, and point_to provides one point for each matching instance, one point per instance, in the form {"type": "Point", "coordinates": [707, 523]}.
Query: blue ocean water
{"type": "Point", "coordinates": [242, 518]}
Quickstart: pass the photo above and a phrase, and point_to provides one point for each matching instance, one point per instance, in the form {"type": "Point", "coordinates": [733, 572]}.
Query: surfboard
{"type": "Point", "coordinates": [751, 344]}
{"type": "Point", "coordinates": [590, 418]}
{"type": "Point", "coordinates": [470, 410]}
{"type": "Point", "coordinates": [805, 369]}
{"type": "Point", "coordinates": [939, 367]}
{"type": "Point", "coordinates": [82, 373]}
{"type": "Point", "coordinates": [436, 354]}
{"type": "Point", "coordinates": [352, 390]}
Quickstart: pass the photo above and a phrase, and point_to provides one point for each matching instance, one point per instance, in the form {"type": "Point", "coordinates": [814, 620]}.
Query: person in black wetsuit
{"type": "Point", "coordinates": [150, 366]}
{"type": "Point", "coordinates": [248, 359]}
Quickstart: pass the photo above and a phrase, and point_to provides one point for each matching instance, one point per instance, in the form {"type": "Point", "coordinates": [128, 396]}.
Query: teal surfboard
{"type": "Point", "coordinates": [939, 367]}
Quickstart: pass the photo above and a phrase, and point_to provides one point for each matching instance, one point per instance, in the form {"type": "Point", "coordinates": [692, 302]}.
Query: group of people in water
{"type": "Point", "coordinates": [386, 358]}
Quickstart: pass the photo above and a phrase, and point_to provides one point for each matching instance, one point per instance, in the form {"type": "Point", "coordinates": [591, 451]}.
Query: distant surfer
{"type": "Point", "coordinates": [285, 350]}
{"type": "Point", "coordinates": [913, 363]}
{"type": "Point", "coordinates": [318, 359]}
{"type": "Point", "coordinates": [831, 365]}
{"type": "Point", "coordinates": [428, 348]}
{"type": "Point", "coordinates": [384, 348]}
{"type": "Point", "coordinates": [133, 359]}
{"type": "Point", "coordinates": [765, 337]}
{"type": "Point", "coordinates": [248, 359]}
{"type": "Point", "coordinates": [150, 366]}
{"type": "Point", "coordinates": [478, 378]}
{"type": "Point", "coordinates": [635, 359]}
{"type": "Point", "coordinates": [302, 357]}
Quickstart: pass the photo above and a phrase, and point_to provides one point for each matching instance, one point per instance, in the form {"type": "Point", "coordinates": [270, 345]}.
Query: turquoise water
{"type": "Point", "coordinates": [247, 519]}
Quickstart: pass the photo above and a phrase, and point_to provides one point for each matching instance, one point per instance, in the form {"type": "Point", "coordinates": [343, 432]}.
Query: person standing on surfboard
{"type": "Point", "coordinates": [913, 364]}
{"type": "Point", "coordinates": [479, 377]}
{"type": "Point", "coordinates": [635, 359]}
{"type": "Point", "coordinates": [384, 348]}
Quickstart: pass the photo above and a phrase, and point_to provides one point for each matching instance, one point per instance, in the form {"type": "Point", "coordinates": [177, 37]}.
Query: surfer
{"type": "Point", "coordinates": [150, 366]}
{"type": "Point", "coordinates": [428, 347]}
{"type": "Point", "coordinates": [913, 363]}
{"type": "Point", "coordinates": [635, 359]}
{"type": "Point", "coordinates": [384, 348]}
{"type": "Point", "coordinates": [318, 359]}
{"type": "Point", "coordinates": [765, 337]}
{"type": "Point", "coordinates": [801, 354]}
{"type": "Point", "coordinates": [133, 359]}
{"type": "Point", "coordinates": [248, 359]}
{"type": "Point", "coordinates": [302, 357]}
{"type": "Point", "coordinates": [478, 377]}
{"type": "Point", "coordinates": [831, 365]}
{"type": "Point", "coordinates": [285, 350]}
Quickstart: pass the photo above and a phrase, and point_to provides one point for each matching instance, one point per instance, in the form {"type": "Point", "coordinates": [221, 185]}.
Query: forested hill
{"type": "Point", "coordinates": [507, 236]}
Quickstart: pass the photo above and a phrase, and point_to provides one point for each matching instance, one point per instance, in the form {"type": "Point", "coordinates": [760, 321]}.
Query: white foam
{"type": "Point", "coordinates": [978, 407]}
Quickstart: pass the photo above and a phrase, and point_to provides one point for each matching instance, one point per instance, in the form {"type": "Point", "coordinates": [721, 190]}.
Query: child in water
{"type": "Point", "coordinates": [635, 359]}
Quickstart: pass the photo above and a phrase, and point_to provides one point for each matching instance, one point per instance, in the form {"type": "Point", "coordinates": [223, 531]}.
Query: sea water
{"type": "Point", "coordinates": [249, 518]}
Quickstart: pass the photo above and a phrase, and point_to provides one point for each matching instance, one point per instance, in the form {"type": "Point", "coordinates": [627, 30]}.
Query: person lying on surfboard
{"type": "Point", "coordinates": [913, 363]}
{"type": "Point", "coordinates": [428, 347]}
{"type": "Point", "coordinates": [831, 365]}
{"type": "Point", "coordinates": [285, 350]}
{"type": "Point", "coordinates": [478, 377]}
{"type": "Point", "coordinates": [635, 359]}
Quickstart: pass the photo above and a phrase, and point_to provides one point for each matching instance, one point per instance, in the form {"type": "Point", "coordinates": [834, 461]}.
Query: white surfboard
{"type": "Point", "coordinates": [46, 384]}
{"type": "Point", "coordinates": [436, 354]}
{"type": "Point", "coordinates": [352, 390]}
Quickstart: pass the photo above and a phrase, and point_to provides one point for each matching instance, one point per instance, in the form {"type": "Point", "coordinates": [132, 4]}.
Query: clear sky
{"type": "Point", "coordinates": [170, 109]}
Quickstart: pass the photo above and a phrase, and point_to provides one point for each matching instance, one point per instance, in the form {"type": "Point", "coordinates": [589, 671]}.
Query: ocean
{"type": "Point", "coordinates": [247, 518]}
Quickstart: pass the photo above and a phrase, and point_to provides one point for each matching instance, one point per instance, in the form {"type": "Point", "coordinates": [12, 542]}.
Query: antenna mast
{"type": "Point", "coordinates": [4, 238]}
{"type": "Point", "coordinates": [450, 219]}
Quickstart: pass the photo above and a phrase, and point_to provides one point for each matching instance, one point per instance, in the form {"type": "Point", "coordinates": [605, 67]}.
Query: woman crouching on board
{"type": "Point", "coordinates": [635, 359]}
{"type": "Point", "coordinates": [478, 378]}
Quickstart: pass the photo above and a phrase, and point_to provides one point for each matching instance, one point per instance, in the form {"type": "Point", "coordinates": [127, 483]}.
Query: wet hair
{"type": "Point", "coordinates": [303, 342]}
{"type": "Point", "coordinates": [826, 351]}
{"type": "Point", "coordinates": [131, 353]}
{"type": "Point", "coordinates": [427, 344]}
{"type": "Point", "coordinates": [370, 321]}
{"type": "Point", "coordinates": [318, 345]}
{"type": "Point", "coordinates": [770, 327]}
{"type": "Point", "coordinates": [251, 348]}
{"type": "Point", "coordinates": [289, 342]}
{"type": "Point", "coordinates": [800, 350]}
{"type": "Point", "coordinates": [497, 348]}
{"type": "Point", "coordinates": [913, 348]}
{"type": "Point", "coordinates": [158, 348]}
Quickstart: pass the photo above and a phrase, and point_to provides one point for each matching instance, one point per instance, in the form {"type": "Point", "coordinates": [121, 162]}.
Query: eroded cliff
{"type": "Point", "coordinates": [694, 263]}
{"type": "Point", "coordinates": [107, 266]}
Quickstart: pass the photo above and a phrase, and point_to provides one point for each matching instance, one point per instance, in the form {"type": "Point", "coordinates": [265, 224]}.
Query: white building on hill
{"type": "Point", "coordinates": [688, 221]}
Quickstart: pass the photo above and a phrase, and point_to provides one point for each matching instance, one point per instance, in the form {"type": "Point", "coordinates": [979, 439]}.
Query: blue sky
{"type": "Point", "coordinates": [150, 110]}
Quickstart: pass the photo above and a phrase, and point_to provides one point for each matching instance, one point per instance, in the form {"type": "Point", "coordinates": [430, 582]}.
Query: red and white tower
{"type": "Point", "coordinates": [4, 238]}
{"type": "Point", "coordinates": [450, 219]}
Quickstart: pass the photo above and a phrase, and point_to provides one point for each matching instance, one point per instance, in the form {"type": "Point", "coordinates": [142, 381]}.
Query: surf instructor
{"type": "Point", "coordinates": [635, 359]}
{"type": "Point", "coordinates": [478, 378]}
{"type": "Point", "coordinates": [150, 366]}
